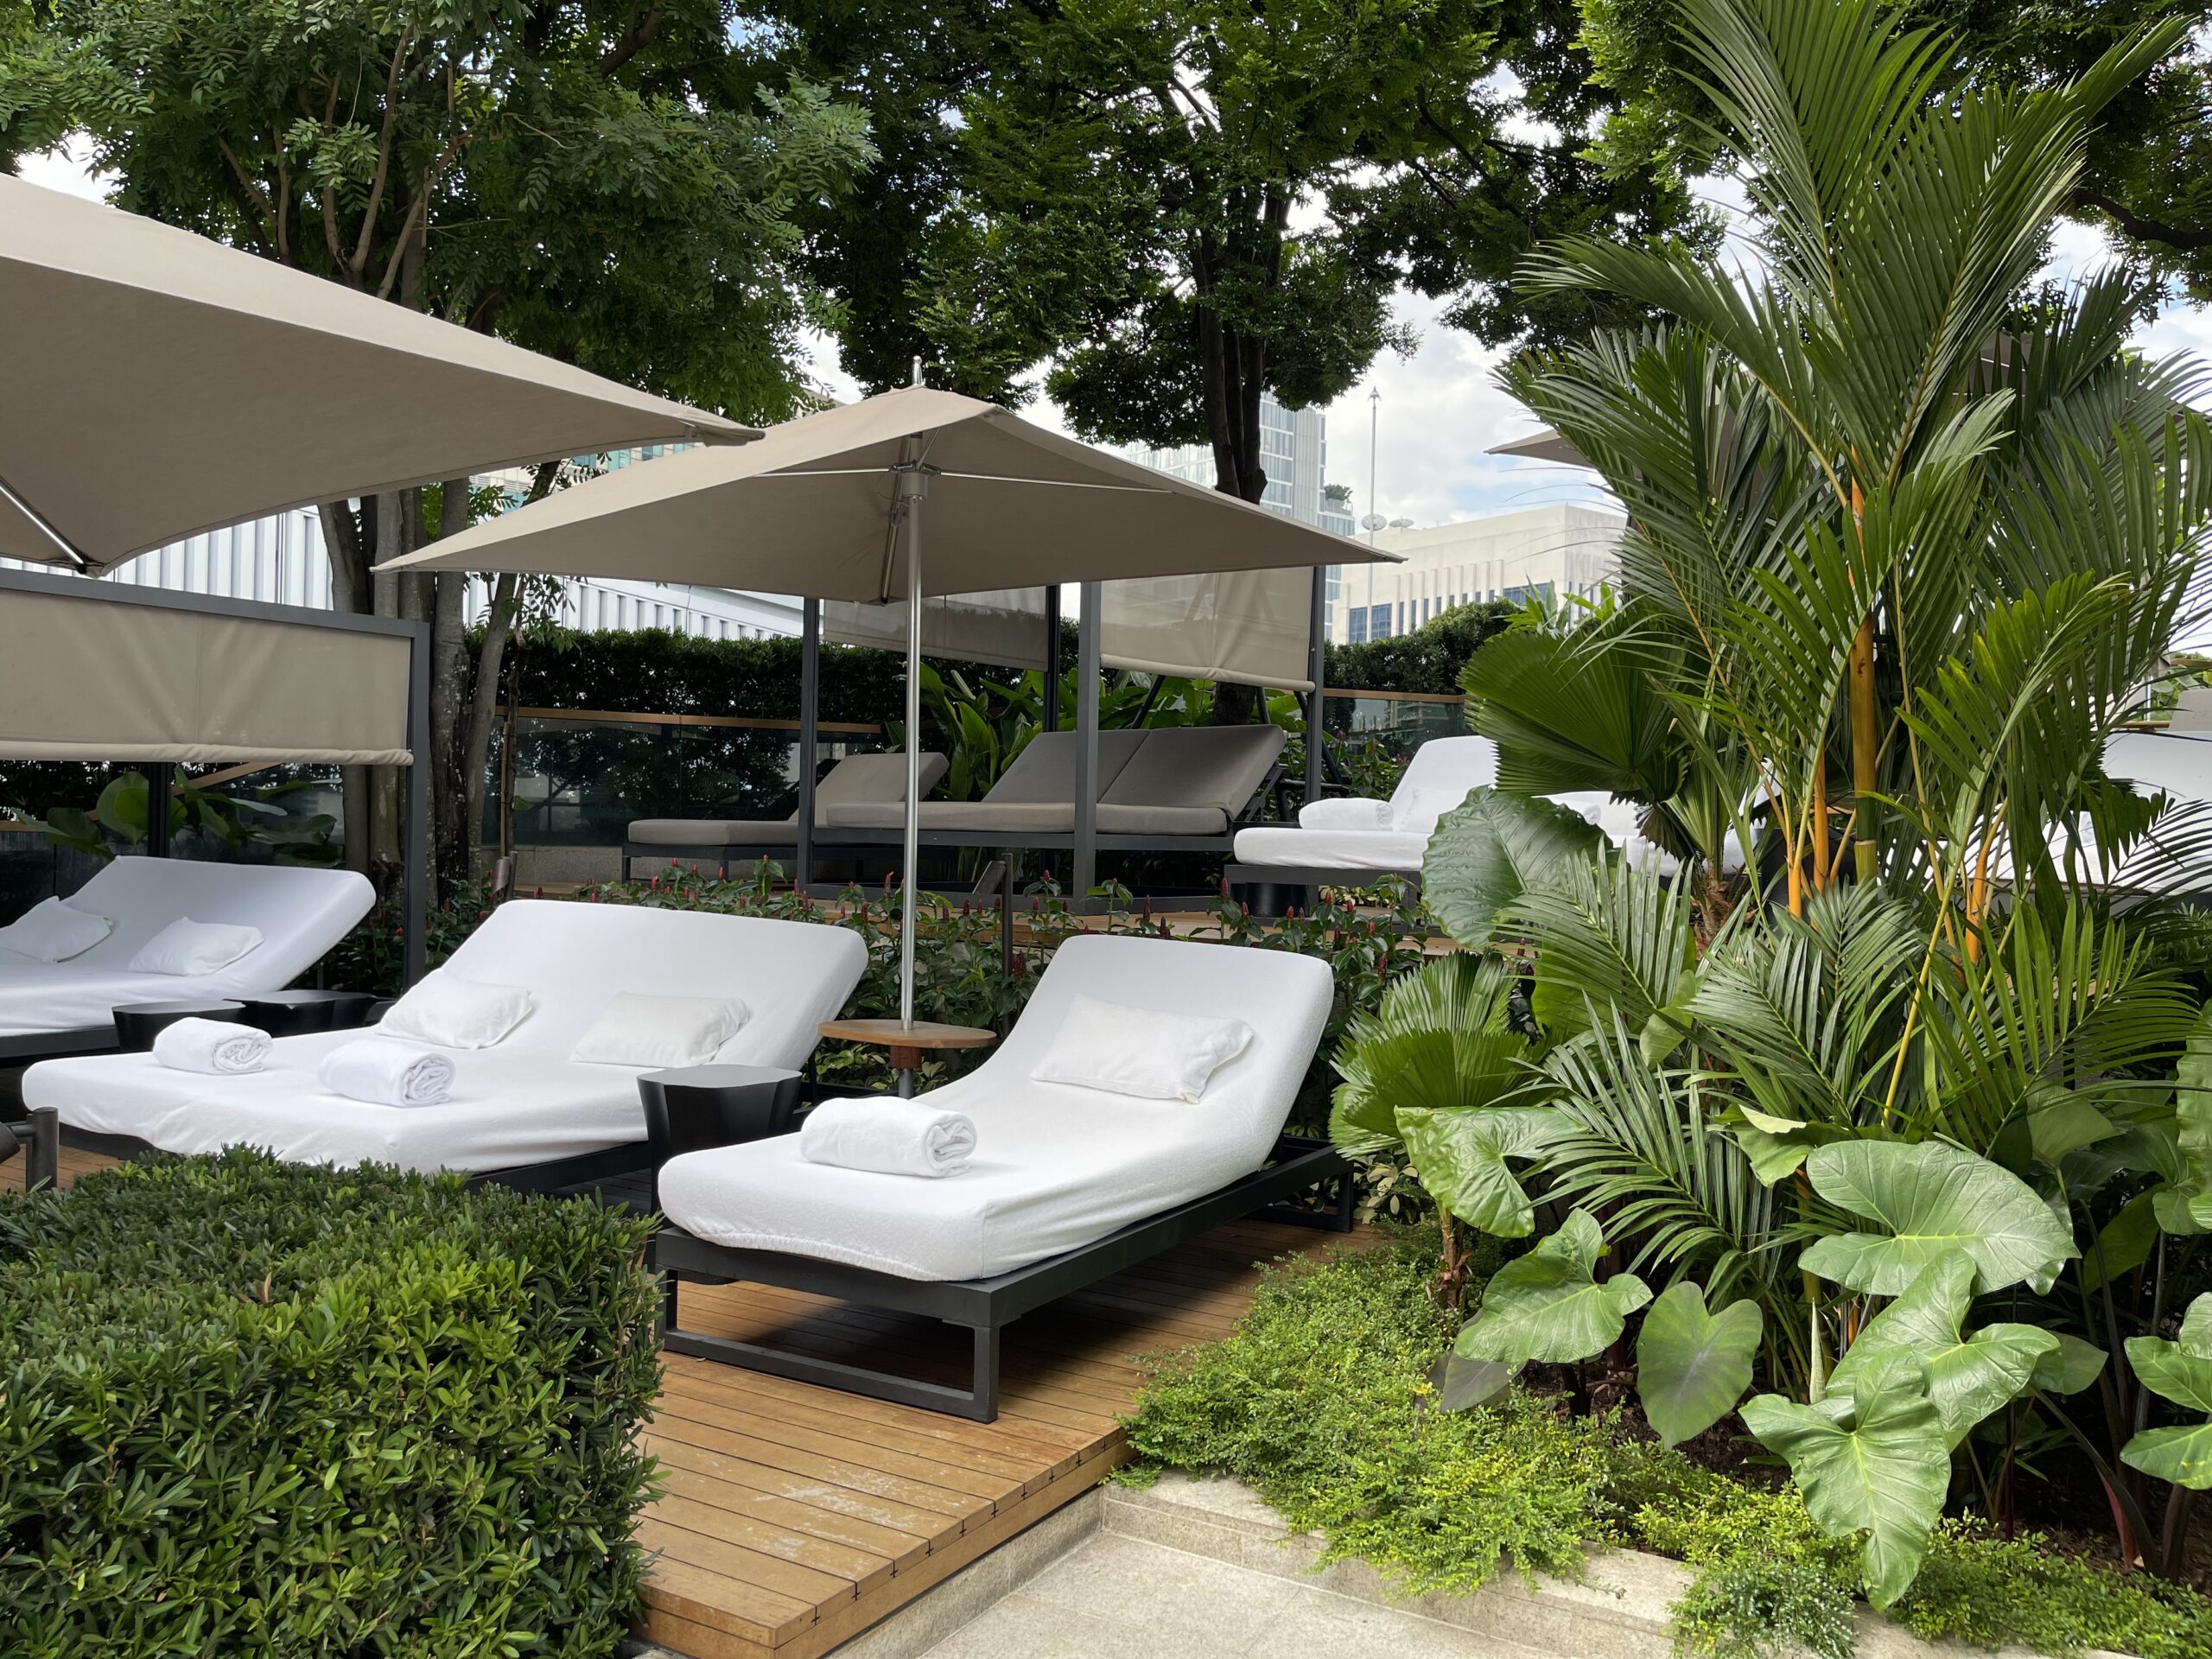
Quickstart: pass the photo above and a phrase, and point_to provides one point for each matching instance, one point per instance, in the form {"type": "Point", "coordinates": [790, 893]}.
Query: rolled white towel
{"type": "Point", "coordinates": [212, 1046]}
{"type": "Point", "coordinates": [387, 1073]}
{"type": "Point", "coordinates": [892, 1137]}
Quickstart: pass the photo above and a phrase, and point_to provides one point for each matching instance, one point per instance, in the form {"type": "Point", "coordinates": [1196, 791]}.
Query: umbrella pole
{"type": "Point", "coordinates": [913, 483]}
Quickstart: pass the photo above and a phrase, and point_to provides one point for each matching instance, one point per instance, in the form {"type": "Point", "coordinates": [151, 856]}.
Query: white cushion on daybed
{"type": "Point", "coordinates": [1339, 837]}
{"type": "Point", "coordinates": [521, 1101]}
{"type": "Point", "coordinates": [190, 949]}
{"type": "Point", "coordinates": [1056, 1166]}
{"type": "Point", "coordinates": [300, 913]}
{"type": "Point", "coordinates": [52, 930]}
{"type": "Point", "coordinates": [449, 1011]}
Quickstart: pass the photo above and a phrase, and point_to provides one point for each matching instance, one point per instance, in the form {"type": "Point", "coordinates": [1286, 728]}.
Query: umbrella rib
{"type": "Point", "coordinates": [75, 554]}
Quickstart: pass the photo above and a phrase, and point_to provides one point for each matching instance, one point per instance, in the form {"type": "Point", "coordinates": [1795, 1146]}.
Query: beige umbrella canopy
{"type": "Point", "coordinates": [159, 384]}
{"type": "Point", "coordinates": [810, 509]}
{"type": "Point", "coordinates": [1543, 444]}
{"type": "Point", "coordinates": [832, 506]}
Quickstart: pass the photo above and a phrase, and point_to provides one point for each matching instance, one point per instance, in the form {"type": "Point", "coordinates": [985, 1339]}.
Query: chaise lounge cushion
{"type": "Point", "coordinates": [300, 913]}
{"type": "Point", "coordinates": [856, 779]}
{"type": "Point", "coordinates": [522, 1102]}
{"type": "Point", "coordinates": [1056, 1166]}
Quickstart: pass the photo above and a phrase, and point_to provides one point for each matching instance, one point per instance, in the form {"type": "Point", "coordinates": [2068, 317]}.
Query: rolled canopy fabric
{"type": "Point", "coordinates": [160, 385]}
{"type": "Point", "coordinates": [97, 677]}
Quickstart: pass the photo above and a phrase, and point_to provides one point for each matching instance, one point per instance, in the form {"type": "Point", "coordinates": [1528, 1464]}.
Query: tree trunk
{"type": "Point", "coordinates": [449, 836]}
{"type": "Point", "coordinates": [484, 705]}
{"type": "Point", "coordinates": [347, 536]}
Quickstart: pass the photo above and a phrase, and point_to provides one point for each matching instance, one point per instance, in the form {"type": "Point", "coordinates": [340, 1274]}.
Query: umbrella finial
{"type": "Point", "coordinates": [917, 369]}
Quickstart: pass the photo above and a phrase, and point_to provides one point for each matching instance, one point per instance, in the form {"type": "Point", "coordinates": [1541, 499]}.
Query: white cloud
{"type": "Point", "coordinates": [68, 168]}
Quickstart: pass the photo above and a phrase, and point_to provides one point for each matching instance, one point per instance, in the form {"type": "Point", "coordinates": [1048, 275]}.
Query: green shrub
{"type": "Point", "coordinates": [252, 1408]}
{"type": "Point", "coordinates": [1320, 1402]}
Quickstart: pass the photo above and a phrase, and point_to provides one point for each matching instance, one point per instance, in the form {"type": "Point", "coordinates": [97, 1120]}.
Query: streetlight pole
{"type": "Point", "coordinates": [1374, 521]}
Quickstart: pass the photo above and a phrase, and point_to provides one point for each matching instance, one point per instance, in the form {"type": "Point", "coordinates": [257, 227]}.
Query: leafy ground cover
{"type": "Point", "coordinates": [1323, 1401]}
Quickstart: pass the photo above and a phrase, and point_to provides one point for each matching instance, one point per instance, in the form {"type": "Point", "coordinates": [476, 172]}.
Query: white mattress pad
{"type": "Point", "coordinates": [1056, 1166]}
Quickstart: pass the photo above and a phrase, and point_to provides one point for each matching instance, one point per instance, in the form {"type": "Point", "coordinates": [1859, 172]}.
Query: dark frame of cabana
{"type": "Point", "coordinates": [1085, 842]}
{"type": "Point", "coordinates": [415, 835]}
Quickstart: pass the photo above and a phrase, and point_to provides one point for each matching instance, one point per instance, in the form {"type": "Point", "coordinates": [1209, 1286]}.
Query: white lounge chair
{"type": "Point", "coordinates": [522, 1104]}
{"type": "Point", "coordinates": [1067, 1184]}
{"type": "Point", "coordinates": [856, 779]}
{"type": "Point", "coordinates": [49, 1006]}
{"type": "Point", "coordinates": [1341, 836]}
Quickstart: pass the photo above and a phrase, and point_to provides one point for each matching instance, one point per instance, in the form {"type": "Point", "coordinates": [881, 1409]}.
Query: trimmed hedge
{"type": "Point", "coordinates": [247, 1407]}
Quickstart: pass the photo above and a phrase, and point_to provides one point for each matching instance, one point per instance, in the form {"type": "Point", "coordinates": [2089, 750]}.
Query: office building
{"type": "Point", "coordinates": [1544, 552]}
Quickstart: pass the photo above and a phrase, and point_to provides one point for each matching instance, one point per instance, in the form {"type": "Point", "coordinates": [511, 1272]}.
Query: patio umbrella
{"type": "Point", "coordinates": [831, 506]}
{"type": "Point", "coordinates": [160, 385]}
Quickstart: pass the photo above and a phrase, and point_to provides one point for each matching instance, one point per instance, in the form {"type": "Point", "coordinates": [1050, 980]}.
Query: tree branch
{"type": "Point", "coordinates": [639, 30]}
{"type": "Point", "coordinates": [2179, 238]}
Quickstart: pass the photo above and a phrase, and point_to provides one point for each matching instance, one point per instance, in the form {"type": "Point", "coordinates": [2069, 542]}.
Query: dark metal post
{"type": "Point", "coordinates": [1317, 655]}
{"type": "Point", "coordinates": [810, 736]}
{"type": "Point", "coordinates": [1052, 658]}
{"type": "Point", "coordinates": [415, 880]}
{"type": "Point", "coordinates": [160, 780]}
{"type": "Point", "coordinates": [1085, 874]}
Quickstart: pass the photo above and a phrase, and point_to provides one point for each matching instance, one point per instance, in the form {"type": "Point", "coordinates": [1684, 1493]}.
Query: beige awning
{"type": "Point", "coordinates": [159, 384]}
{"type": "Point", "coordinates": [1543, 444]}
{"type": "Point", "coordinates": [98, 677]}
{"type": "Point", "coordinates": [1248, 627]}
{"type": "Point", "coordinates": [810, 509]}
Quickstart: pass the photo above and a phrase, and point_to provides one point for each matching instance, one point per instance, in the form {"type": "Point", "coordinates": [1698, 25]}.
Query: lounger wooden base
{"type": "Point", "coordinates": [983, 1306]}
{"type": "Point", "coordinates": [47, 1135]}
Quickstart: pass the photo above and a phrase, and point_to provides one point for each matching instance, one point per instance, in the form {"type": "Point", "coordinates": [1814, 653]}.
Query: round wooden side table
{"type": "Point", "coordinates": [908, 1044]}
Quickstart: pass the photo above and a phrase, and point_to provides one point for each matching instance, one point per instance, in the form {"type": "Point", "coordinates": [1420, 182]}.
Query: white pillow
{"type": "Point", "coordinates": [187, 948]}
{"type": "Point", "coordinates": [1415, 812]}
{"type": "Point", "coordinates": [449, 1013]}
{"type": "Point", "coordinates": [659, 1030]}
{"type": "Point", "coordinates": [1142, 1051]}
{"type": "Point", "coordinates": [53, 931]}
{"type": "Point", "coordinates": [1345, 812]}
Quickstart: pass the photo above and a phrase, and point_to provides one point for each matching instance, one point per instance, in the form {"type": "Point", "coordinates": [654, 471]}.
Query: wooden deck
{"type": "Point", "coordinates": [793, 1517]}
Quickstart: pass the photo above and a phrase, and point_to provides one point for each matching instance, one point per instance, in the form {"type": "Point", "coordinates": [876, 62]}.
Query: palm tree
{"type": "Point", "coordinates": [1882, 511]}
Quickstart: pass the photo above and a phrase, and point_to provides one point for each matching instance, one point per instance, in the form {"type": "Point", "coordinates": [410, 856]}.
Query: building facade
{"type": "Point", "coordinates": [1544, 552]}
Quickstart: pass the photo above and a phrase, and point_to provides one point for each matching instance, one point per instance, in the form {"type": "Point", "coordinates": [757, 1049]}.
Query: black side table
{"type": "Point", "coordinates": [287, 1014]}
{"type": "Point", "coordinates": [136, 1024]}
{"type": "Point", "coordinates": [691, 1107]}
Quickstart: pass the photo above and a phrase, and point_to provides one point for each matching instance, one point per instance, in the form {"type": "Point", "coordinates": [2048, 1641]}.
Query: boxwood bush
{"type": "Point", "coordinates": [251, 1408]}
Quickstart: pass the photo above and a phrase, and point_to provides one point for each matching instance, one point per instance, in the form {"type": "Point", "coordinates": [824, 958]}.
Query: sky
{"type": "Point", "coordinates": [1440, 409]}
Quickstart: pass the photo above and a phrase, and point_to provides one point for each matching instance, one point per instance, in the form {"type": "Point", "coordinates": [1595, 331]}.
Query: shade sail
{"type": "Point", "coordinates": [98, 677]}
{"type": "Point", "coordinates": [1543, 444]}
{"type": "Point", "coordinates": [160, 385]}
{"type": "Point", "coordinates": [1246, 625]}
{"type": "Point", "coordinates": [1007, 628]}
{"type": "Point", "coordinates": [809, 509]}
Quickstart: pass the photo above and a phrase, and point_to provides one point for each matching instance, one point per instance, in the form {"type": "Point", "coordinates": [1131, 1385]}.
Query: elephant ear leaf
{"type": "Point", "coordinates": [1548, 1306]}
{"type": "Point", "coordinates": [1692, 1366]}
{"type": "Point", "coordinates": [1492, 848]}
{"type": "Point", "coordinates": [1930, 1199]}
{"type": "Point", "coordinates": [1461, 1158]}
{"type": "Point", "coordinates": [1874, 1459]}
{"type": "Point", "coordinates": [2181, 1372]}
{"type": "Point", "coordinates": [1968, 1377]}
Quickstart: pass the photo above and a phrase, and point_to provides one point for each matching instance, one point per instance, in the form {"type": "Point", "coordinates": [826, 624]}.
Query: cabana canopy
{"type": "Point", "coordinates": [93, 673]}
{"type": "Point", "coordinates": [161, 385]}
{"type": "Point", "coordinates": [1248, 627]}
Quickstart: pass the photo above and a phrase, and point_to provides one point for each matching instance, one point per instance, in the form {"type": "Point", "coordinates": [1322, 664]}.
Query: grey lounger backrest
{"type": "Point", "coordinates": [1197, 765]}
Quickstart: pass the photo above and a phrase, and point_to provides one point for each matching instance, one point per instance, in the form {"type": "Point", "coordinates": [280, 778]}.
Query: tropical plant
{"type": "Point", "coordinates": [1926, 1094]}
{"type": "Point", "coordinates": [263, 819]}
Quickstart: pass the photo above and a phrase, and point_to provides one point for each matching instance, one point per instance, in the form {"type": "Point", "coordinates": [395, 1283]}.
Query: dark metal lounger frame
{"type": "Point", "coordinates": [1310, 877]}
{"type": "Point", "coordinates": [983, 1306]}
